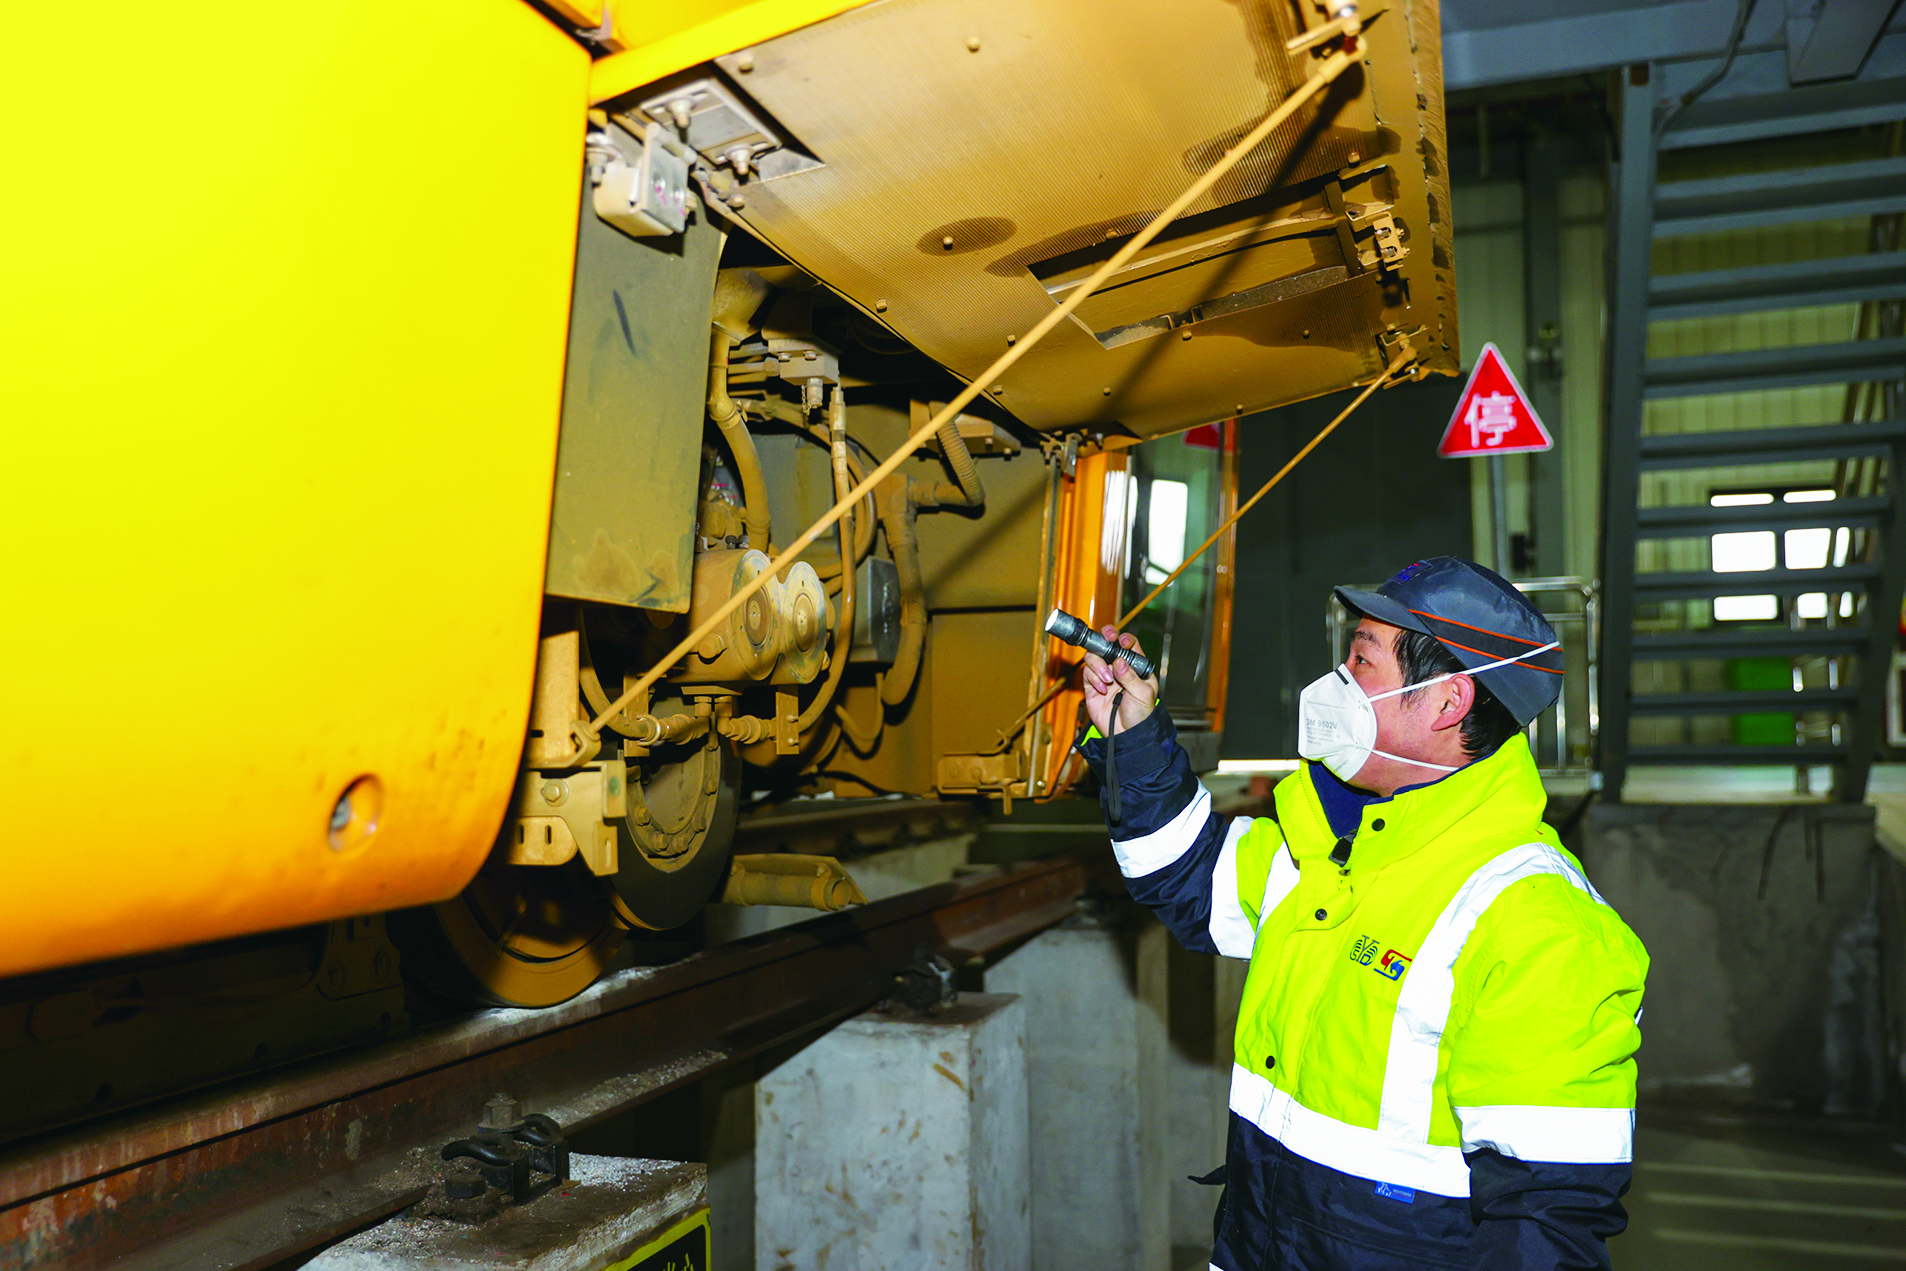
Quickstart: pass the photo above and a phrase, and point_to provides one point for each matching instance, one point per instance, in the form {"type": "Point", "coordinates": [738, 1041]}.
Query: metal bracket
{"type": "Point", "coordinates": [787, 715]}
{"type": "Point", "coordinates": [495, 1168]}
{"type": "Point", "coordinates": [1394, 342]}
{"type": "Point", "coordinates": [807, 363]}
{"type": "Point", "coordinates": [1367, 234]}
{"type": "Point", "coordinates": [1346, 237]}
{"type": "Point", "coordinates": [646, 195]}
{"type": "Point", "coordinates": [603, 36]}
{"type": "Point", "coordinates": [555, 815]}
{"type": "Point", "coordinates": [973, 773]}
{"type": "Point", "coordinates": [712, 120]}
{"type": "Point", "coordinates": [1386, 250]}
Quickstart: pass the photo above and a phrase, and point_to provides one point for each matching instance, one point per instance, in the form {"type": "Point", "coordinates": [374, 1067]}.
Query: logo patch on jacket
{"type": "Point", "coordinates": [1391, 966]}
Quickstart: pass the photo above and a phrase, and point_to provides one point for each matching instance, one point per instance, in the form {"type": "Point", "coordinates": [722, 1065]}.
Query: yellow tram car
{"type": "Point", "coordinates": [387, 386]}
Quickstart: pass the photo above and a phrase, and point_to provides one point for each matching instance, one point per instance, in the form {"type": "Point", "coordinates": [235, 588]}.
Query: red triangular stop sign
{"type": "Point", "coordinates": [1493, 416]}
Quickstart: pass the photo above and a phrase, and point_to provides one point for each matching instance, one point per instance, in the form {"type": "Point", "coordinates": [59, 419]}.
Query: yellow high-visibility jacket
{"type": "Point", "coordinates": [1435, 1055]}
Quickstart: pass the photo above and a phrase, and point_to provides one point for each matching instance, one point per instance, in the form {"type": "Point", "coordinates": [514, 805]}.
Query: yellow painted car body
{"type": "Point", "coordinates": [283, 354]}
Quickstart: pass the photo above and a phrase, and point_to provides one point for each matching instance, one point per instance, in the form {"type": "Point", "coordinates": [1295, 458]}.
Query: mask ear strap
{"type": "Point", "coordinates": [1440, 767]}
{"type": "Point", "coordinates": [1487, 666]}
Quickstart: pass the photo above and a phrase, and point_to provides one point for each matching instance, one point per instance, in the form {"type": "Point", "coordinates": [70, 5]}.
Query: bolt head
{"type": "Point", "coordinates": [500, 1112]}
{"type": "Point", "coordinates": [464, 1184]}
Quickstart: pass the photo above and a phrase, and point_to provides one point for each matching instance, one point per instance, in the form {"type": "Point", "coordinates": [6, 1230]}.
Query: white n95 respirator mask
{"type": "Point", "coordinates": [1337, 720]}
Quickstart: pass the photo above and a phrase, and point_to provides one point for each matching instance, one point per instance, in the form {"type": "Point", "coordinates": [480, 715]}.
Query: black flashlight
{"type": "Point", "coordinates": [1074, 631]}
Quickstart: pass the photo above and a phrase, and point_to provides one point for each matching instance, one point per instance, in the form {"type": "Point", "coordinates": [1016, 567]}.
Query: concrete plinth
{"type": "Point", "coordinates": [1096, 1009]}
{"type": "Point", "coordinates": [610, 1210]}
{"type": "Point", "coordinates": [898, 1143]}
{"type": "Point", "coordinates": [1762, 936]}
{"type": "Point", "coordinates": [1205, 995]}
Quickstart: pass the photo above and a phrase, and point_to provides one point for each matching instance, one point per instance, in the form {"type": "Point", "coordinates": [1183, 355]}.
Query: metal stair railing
{"type": "Point", "coordinates": [1839, 721]}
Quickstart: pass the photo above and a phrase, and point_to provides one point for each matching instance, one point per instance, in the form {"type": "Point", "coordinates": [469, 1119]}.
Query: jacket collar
{"type": "Point", "coordinates": [1494, 794]}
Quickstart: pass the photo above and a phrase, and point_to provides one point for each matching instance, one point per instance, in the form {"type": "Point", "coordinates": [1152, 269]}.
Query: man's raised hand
{"type": "Point", "coordinates": [1103, 683]}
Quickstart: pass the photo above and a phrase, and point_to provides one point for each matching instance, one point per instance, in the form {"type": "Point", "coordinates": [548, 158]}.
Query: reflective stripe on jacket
{"type": "Point", "coordinates": [1447, 1021]}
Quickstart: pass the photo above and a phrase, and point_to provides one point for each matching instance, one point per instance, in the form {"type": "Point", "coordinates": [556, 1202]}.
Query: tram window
{"type": "Point", "coordinates": [1179, 494]}
{"type": "Point", "coordinates": [1165, 529]}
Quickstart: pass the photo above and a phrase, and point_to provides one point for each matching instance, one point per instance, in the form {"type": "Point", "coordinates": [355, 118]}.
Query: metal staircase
{"type": "Point", "coordinates": [1664, 658]}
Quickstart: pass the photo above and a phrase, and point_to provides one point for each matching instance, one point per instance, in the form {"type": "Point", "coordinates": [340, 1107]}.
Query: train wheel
{"type": "Point", "coordinates": [518, 935]}
{"type": "Point", "coordinates": [684, 802]}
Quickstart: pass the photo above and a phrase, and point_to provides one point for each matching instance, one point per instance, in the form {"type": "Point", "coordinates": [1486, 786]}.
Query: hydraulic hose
{"type": "Point", "coordinates": [896, 518]}
{"type": "Point", "coordinates": [863, 520]}
{"type": "Point", "coordinates": [844, 623]}
{"type": "Point", "coordinates": [965, 491]}
{"type": "Point", "coordinates": [788, 413]}
{"type": "Point", "coordinates": [894, 505]}
{"type": "Point", "coordinates": [864, 740]}
{"type": "Point", "coordinates": [587, 732]}
{"type": "Point", "coordinates": [960, 459]}
{"type": "Point", "coordinates": [734, 430]}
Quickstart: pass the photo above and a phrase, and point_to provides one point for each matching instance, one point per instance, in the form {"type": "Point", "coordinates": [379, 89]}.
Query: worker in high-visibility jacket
{"type": "Point", "coordinates": [1435, 1053]}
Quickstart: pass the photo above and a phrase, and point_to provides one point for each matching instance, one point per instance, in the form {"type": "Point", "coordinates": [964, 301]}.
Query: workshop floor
{"type": "Point", "coordinates": [1720, 1192]}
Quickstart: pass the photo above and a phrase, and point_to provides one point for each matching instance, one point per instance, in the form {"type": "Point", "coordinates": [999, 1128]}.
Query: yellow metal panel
{"type": "Point", "coordinates": [286, 295]}
{"type": "Point", "coordinates": [1092, 548]}
{"type": "Point", "coordinates": [669, 38]}
{"type": "Point", "coordinates": [1080, 127]}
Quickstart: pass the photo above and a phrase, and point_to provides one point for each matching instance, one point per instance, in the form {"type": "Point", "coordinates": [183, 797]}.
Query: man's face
{"type": "Point", "coordinates": [1372, 663]}
{"type": "Point", "coordinates": [1422, 725]}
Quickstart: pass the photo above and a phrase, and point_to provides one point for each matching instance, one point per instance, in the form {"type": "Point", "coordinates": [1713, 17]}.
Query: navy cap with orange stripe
{"type": "Point", "coordinates": [1480, 618]}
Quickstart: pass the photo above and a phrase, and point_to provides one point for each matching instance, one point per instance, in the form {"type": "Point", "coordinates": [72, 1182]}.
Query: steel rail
{"type": "Point", "coordinates": [824, 825]}
{"type": "Point", "coordinates": [248, 1176]}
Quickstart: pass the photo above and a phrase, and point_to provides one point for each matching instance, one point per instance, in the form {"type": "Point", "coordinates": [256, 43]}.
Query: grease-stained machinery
{"type": "Point", "coordinates": [388, 387]}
